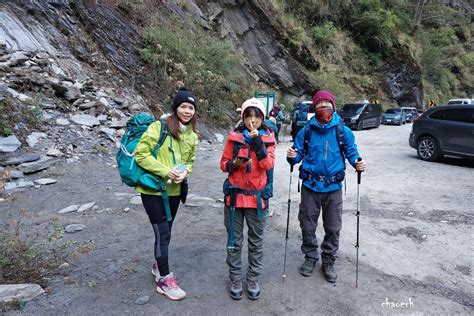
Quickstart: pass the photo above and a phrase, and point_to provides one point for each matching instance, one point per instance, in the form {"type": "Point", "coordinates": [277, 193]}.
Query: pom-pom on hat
{"type": "Point", "coordinates": [324, 95]}
{"type": "Point", "coordinates": [183, 95]}
{"type": "Point", "coordinates": [254, 102]}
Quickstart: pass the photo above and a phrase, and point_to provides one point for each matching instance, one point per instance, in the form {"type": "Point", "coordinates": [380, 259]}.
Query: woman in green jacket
{"type": "Point", "coordinates": [173, 163]}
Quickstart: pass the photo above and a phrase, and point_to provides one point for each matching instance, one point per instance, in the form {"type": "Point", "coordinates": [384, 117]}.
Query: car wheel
{"type": "Point", "coordinates": [377, 123]}
{"type": "Point", "coordinates": [360, 125]}
{"type": "Point", "coordinates": [428, 149]}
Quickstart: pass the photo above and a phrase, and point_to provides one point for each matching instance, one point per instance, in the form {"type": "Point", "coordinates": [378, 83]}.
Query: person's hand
{"type": "Point", "coordinates": [181, 176]}
{"type": "Point", "coordinates": [291, 153]}
{"type": "Point", "coordinates": [173, 174]}
{"type": "Point", "coordinates": [253, 132]}
{"type": "Point", "coordinates": [238, 162]}
{"type": "Point", "coordinates": [361, 165]}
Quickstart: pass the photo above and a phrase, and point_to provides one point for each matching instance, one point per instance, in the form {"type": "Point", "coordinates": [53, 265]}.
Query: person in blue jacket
{"type": "Point", "coordinates": [322, 172]}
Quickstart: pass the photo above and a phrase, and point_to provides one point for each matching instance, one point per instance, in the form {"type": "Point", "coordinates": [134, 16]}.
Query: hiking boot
{"type": "Point", "coordinates": [329, 272]}
{"type": "Point", "coordinates": [169, 287]}
{"type": "Point", "coordinates": [155, 271]}
{"type": "Point", "coordinates": [253, 290]}
{"type": "Point", "coordinates": [235, 289]}
{"type": "Point", "coordinates": [307, 267]}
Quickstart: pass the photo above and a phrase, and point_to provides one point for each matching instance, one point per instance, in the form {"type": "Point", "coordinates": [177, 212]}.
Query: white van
{"type": "Point", "coordinates": [460, 101]}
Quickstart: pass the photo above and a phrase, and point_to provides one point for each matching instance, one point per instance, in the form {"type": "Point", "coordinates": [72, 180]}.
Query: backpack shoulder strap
{"type": "Point", "coordinates": [237, 146]}
{"type": "Point", "coordinates": [307, 139]}
{"type": "Point", "coordinates": [161, 139]}
{"type": "Point", "coordinates": [340, 139]}
{"type": "Point", "coordinates": [163, 133]}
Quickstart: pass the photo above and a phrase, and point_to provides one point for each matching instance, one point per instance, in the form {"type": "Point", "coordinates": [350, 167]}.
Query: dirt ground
{"type": "Point", "coordinates": [416, 245]}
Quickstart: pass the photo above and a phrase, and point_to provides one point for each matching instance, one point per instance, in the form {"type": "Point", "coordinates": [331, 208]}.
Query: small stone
{"type": "Point", "coordinates": [220, 137]}
{"type": "Point", "coordinates": [142, 300]}
{"type": "Point", "coordinates": [136, 200]}
{"type": "Point", "coordinates": [46, 181]}
{"type": "Point", "coordinates": [19, 292]}
{"type": "Point", "coordinates": [15, 174]}
{"type": "Point", "coordinates": [18, 185]}
{"type": "Point", "coordinates": [64, 266]}
{"type": "Point", "coordinates": [74, 228]}
{"type": "Point", "coordinates": [69, 209]}
{"type": "Point", "coordinates": [53, 152]}
{"type": "Point", "coordinates": [62, 121]}
{"type": "Point", "coordinates": [9, 144]}
{"type": "Point", "coordinates": [85, 207]}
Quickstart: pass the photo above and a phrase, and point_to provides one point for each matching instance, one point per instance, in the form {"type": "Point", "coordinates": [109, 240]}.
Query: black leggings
{"type": "Point", "coordinates": [155, 209]}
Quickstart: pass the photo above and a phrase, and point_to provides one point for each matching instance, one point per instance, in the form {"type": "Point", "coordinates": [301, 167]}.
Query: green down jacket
{"type": "Point", "coordinates": [184, 151]}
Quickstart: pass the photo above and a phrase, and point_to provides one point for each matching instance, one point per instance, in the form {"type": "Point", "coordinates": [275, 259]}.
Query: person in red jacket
{"type": "Point", "coordinates": [249, 154]}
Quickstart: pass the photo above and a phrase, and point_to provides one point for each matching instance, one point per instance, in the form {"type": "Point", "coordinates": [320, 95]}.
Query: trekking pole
{"type": "Point", "coordinates": [357, 214]}
{"type": "Point", "coordinates": [283, 276]}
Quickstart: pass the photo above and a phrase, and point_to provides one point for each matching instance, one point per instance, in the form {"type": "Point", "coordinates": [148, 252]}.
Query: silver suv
{"type": "Point", "coordinates": [444, 130]}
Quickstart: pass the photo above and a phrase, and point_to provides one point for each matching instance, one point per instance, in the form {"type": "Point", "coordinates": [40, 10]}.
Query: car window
{"type": "Point", "coordinates": [352, 108]}
{"type": "Point", "coordinates": [456, 115]}
{"type": "Point", "coordinates": [391, 111]}
{"type": "Point", "coordinates": [460, 115]}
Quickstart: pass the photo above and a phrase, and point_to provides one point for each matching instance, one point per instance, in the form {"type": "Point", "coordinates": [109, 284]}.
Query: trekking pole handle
{"type": "Point", "coordinates": [292, 162]}
{"type": "Point", "coordinates": [359, 172]}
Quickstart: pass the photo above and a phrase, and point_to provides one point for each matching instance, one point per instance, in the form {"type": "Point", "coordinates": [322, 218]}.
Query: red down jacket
{"type": "Point", "coordinates": [245, 179]}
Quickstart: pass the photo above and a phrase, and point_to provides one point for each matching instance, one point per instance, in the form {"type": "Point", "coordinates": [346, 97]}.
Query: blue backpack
{"type": "Point", "coordinates": [130, 172]}
{"type": "Point", "coordinates": [300, 114]}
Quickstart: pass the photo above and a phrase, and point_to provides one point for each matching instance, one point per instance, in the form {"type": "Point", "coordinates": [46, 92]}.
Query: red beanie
{"type": "Point", "coordinates": [324, 95]}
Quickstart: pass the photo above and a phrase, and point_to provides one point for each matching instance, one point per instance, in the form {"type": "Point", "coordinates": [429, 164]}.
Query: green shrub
{"type": "Point", "coordinates": [22, 261]}
{"type": "Point", "coordinates": [324, 35]}
{"type": "Point", "coordinates": [443, 37]}
{"type": "Point", "coordinates": [206, 65]}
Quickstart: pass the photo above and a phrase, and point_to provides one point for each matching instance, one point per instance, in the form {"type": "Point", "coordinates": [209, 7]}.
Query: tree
{"type": "Point", "coordinates": [418, 14]}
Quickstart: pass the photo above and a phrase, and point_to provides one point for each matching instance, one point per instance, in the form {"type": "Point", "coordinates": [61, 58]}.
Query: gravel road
{"type": "Point", "coordinates": [416, 230]}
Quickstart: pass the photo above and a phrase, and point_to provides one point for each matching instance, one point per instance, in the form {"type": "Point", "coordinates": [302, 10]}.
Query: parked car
{"type": "Point", "coordinates": [361, 115]}
{"type": "Point", "coordinates": [394, 116]}
{"type": "Point", "coordinates": [444, 130]}
{"type": "Point", "coordinates": [460, 101]}
{"type": "Point", "coordinates": [411, 113]}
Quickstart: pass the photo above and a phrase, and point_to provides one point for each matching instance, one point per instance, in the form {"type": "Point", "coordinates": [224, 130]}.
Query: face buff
{"type": "Point", "coordinates": [324, 115]}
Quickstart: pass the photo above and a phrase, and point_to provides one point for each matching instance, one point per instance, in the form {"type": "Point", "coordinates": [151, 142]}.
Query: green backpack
{"type": "Point", "coordinates": [130, 172]}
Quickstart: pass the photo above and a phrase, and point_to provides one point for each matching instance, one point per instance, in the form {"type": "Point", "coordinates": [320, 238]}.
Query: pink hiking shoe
{"type": "Point", "coordinates": [169, 287]}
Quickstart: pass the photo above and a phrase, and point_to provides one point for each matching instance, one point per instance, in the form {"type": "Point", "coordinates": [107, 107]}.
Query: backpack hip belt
{"type": "Point", "coordinates": [258, 195]}
{"type": "Point", "coordinates": [337, 178]}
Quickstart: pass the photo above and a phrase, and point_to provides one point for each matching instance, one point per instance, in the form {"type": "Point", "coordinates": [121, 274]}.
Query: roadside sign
{"type": "Point", "coordinates": [431, 103]}
{"type": "Point", "coordinates": [268, 100]}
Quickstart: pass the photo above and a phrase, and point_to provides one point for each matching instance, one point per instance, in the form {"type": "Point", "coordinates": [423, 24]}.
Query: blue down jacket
{"type": "Point", "coordinates": [323, 161]}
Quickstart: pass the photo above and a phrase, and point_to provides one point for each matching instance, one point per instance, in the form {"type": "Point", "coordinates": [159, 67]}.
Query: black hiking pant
{"type": "Point", "coordinates": [155, 208]}
{"type": "Point", "coordinates": [311, 205]}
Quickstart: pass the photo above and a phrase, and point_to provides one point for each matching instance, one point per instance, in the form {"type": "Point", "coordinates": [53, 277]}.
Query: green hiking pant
{"type": "Point", "coordinates": [256, 227]}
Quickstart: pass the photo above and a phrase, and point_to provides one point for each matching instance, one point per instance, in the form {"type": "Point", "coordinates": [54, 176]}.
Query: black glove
{"type": "Point", "coordinates": [230, 165]}
{"type": "Point", "coordinates": [260, 148]}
